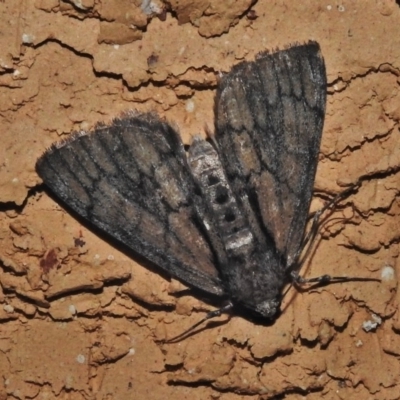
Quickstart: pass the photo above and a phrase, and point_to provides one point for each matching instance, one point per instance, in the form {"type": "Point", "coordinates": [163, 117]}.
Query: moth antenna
{"type": "Point", "coordinates": [211, 314]}
{"type": "Point", "coordinates": [210, 136]}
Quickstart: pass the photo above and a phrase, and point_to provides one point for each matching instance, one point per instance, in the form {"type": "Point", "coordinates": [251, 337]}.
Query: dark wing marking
{"type": "Point", "coordinates": [131, 180]}
{"type": "Point", "coordinates": [269, 119]}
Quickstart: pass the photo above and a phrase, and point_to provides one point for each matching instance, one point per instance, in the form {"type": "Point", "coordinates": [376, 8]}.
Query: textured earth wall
{"type": "Point", "coordinates": [80, 319]}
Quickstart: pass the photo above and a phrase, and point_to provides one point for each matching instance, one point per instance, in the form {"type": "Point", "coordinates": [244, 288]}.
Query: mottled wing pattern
{"type": "Point", "coordinates": [131, 180]}
{"type": "Point", "coordinates": [269, 119]}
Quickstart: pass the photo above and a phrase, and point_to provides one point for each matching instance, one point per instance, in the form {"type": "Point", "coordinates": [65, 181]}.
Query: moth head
{"type": "Point", "coordinates": [268, 309]}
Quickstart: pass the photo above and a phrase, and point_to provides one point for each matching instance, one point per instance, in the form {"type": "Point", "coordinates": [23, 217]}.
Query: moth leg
{"type": "Point", "coordinates": [212, 314]}
{"type": "Point", "coordinates": [328, 279]}
{"type": "Point", "coordinates": [309, 238]}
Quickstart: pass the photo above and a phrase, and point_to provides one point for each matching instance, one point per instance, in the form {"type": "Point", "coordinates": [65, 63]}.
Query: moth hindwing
{"type": "Point", "coordinates": [227, 219]}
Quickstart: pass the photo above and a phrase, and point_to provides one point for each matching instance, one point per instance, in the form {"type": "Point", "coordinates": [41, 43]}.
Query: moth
{"type": "Point", "coordinates": [227, 217]}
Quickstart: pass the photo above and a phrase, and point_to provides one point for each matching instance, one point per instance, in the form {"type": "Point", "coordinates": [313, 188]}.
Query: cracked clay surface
{"type": "Point", "coordinates": [81, 320]}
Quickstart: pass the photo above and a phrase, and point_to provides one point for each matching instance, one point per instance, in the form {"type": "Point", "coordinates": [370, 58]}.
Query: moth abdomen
{"type": "Point", "coordinates": [228, 219]}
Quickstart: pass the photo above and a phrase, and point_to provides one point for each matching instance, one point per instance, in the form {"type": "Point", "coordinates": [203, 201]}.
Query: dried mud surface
{"type": "Point", "coordinates": [81, 320]}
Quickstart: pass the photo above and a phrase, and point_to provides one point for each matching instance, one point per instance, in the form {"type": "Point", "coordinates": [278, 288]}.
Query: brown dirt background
{"type": "Point", "coordinates": [81, 320]}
